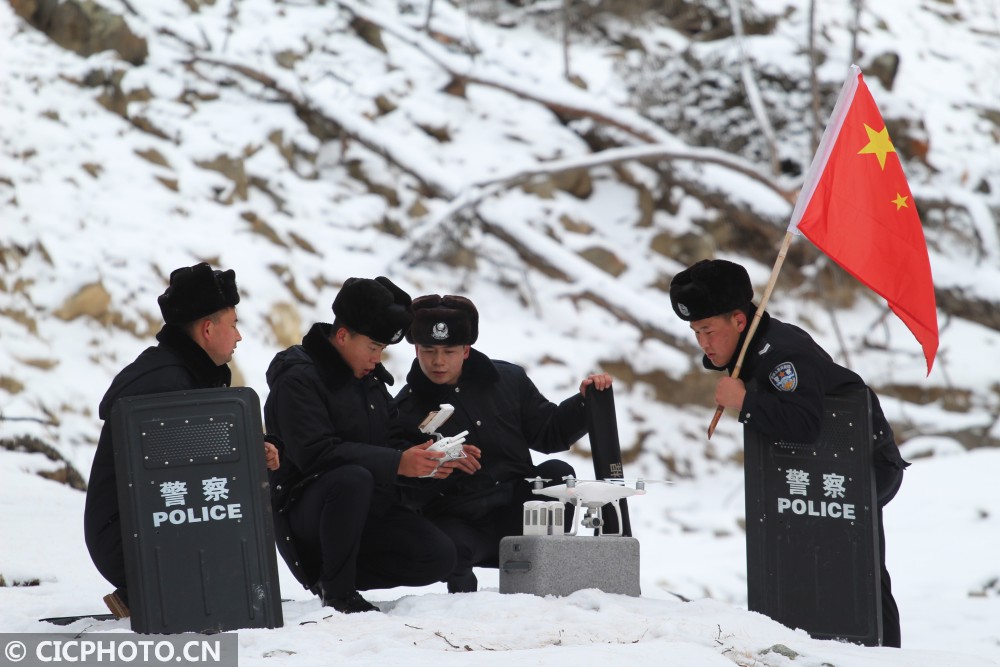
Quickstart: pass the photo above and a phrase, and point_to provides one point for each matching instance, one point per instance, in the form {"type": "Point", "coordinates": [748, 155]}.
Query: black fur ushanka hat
{"type": "Point", "coordinates": [708, 288]}
{"type": "Point", "coordinates": [444, 320]}
{"type": "Point", "coordinates": [197, 291]}
{"type": "Point", "coordinates": [375, 308]}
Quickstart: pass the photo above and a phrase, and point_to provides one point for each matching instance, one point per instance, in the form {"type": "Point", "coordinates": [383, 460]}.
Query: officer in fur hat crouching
{"type": "Point", "coordinates": [783, 381]}
{"type": "Point", "coordinates": [506, 417]}
{"type": "Point", "coordinates": [338, 522]}
{"type": "Point", "coordinates": [194, 347]}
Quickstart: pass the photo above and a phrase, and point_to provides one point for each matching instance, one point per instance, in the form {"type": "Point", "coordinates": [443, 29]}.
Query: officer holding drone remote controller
{"type": "Point", "coordinates": [339, 522]}
{"type": "Point", "coordinates": [498, 409]}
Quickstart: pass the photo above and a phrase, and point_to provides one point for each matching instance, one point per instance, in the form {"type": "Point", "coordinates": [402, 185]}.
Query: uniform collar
{"type": "Point", "coordinates": [331, 365]}
{"type": "Point", "coordinates": [194, 358]}
{"type": "Point", "coordinates": [755, 343]}
{"type": "Point", "coordinates": [477, 369]}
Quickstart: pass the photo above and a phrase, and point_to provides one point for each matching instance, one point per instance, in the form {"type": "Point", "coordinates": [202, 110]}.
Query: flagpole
{"type": "Point", "coordinates": [805, 195]}
{"type": "Point", "coordinates": [755, 322]}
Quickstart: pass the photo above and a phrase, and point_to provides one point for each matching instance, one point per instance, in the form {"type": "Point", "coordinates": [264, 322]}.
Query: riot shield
{"type": "Point", "coordinates": [812, 531]}
{"type": "Point", "coordinates": [195, 511]}
{"type": "Point", "coordinates": [602, 426]}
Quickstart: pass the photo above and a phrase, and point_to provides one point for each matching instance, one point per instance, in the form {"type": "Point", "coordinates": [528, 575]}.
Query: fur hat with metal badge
{"type": "Point", "coordinates": [375, 308]}
{"type": "Point", "coordinates": [444, 320]}
{"type": "Point", "coordinates": [708, 288]}
{"type": "Point", "coordinates": [197, 291]}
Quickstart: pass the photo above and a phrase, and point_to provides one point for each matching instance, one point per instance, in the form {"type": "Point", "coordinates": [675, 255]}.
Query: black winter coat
{"type": "Point", "coordinates": [505, 415]}
{"type": "Point", "coordinates": [176, 364]}
{"type": "Point", "coordinates": [326, 417]}
{"type": "Point", "coordinates": [787, 375]}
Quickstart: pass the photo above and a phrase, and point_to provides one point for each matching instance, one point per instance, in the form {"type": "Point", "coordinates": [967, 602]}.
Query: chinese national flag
{"type": "Point", "coordinates": [856, 207]}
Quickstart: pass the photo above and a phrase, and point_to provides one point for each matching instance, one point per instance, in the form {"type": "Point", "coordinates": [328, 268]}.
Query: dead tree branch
{"type": "Point", "coordinates": [855, 27]}
{"type": "Point", "coordinates": [565, 39]}
{"type": "Point", "coordinates": [359, 132]}
{"type": "Point", "coordinates": [569, 102]}
{"type": "Point", "coordinates": [550, 256]}
{"type": "Point", "coordinates": [813, 78]}
{"type": "Point", "coordinates": [477, 192]}
{"type": "Point", "coordinates": [654, 153]}
{"type": "Point", "coordinates": [754, 98]}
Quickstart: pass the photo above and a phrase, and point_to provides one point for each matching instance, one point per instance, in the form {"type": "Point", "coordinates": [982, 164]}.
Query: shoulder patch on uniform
{"type": "Point", "coordinates": [784, 377]}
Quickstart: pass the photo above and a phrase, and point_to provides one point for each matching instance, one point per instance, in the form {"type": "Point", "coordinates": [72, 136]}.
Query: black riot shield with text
{"type": "Point", "coordinates": [195, 511]}
{"type": "Point", "coordinates": [812, 531]}
{"type": "Point", "coordinates": [602, 426]}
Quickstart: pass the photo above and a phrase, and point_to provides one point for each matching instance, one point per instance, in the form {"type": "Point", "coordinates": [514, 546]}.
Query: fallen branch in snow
{"type": "Point", "coordinates": [313, 117]}
{"type": "Point", "coordinates": [535, 259]}
{"type": "Point", "coordinates": [567, 101]}
{"type": "Point", "coordinates": [645, 328]}
{"type": "Point", "coordinates": [470, 197]}
{"type": "Point", "coordinates": [545, 254]}
{"type": "Point", "coordinates": [446, 641]}
{"type": "Point", "coordinates": [654, 153]}
{"type": "Point", "coordinates": [45, 422]}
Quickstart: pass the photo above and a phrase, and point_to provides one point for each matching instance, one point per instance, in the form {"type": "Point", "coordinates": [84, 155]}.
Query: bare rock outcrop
{"type": "Point", "coordinates": [84, 27]}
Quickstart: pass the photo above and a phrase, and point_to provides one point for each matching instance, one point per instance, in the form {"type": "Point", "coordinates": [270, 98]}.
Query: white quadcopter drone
{"type": "Point", "coordinates": [450, 445]}
{"type": "Point", "coordinates": [591, 495]}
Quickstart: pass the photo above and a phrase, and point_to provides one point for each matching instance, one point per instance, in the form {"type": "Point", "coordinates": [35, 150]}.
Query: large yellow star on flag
{"type": "Point", "coordinates": [879, 144]}
{"type": "Point", "coordinates": [900, 201]}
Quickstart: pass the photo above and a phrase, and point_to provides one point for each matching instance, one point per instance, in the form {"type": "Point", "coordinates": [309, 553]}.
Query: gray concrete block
{"type": "Point", "coordinates": [558, 565]}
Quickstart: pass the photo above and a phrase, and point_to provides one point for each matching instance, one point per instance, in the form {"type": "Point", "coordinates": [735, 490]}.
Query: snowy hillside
{"type": "Point", "coordinates": [301, 143]}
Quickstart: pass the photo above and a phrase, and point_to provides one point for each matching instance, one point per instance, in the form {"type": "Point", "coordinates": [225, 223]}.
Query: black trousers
{"type": "Point", "coordinates": [477, 541]}
{"type": "Point", "coordinates": [105, 546]}
{"type": "Point", "coordinates": [360, 544]}
{"type": "Point", "coordinates": [887, 482]}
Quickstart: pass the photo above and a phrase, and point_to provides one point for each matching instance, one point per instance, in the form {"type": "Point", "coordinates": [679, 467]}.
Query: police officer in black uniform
{"type": "Point", "coordinates": [338, 520]}
{"type": "Point", "coordinates": [194, 347]}
{"type": "Point", "coordinates": [506, 417]}
{"type": "Point", "coordinates": [784, 377]}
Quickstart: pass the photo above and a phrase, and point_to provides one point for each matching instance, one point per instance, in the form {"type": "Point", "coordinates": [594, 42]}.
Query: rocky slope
{"type": "Point", "coordinates": [461, 148]}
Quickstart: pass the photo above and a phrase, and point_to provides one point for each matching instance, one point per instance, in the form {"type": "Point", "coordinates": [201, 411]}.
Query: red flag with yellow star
{"type": "Point", "coordinates": [856, 207]}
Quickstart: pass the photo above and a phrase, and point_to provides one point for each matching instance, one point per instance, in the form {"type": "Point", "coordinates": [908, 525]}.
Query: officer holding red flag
{"type": "Point", "coordinates": [784, 377]}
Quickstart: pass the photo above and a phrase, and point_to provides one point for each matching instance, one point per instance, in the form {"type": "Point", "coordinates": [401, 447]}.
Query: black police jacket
{"type": "Point", "coordinates": [505, 415]}
{"type": "Point", "coordinates": [177, 363]}
{"type": "Point", "coordinates": [326, 417]}
{"type": "Point", "coordinates": [787, 375]}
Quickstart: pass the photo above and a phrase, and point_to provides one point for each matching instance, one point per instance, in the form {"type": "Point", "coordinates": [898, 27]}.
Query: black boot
{"type": "Point", "coordinates": [351, 604]}
{"type": "Point", "coordinates": [463, 582]}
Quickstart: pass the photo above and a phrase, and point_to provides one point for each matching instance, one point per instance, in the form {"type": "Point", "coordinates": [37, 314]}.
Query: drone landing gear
{"type": "Point", "coordinates": [593, 517]}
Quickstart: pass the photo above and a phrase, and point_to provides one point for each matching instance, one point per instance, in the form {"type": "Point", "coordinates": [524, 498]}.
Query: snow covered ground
{"type": "Point", "coordinates": [943, 536]}
{"type": "Point", "coordinates": [95, 205]}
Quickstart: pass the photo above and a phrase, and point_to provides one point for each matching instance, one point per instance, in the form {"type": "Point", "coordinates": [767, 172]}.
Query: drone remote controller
{"type": "Point", "coordinates": [436, 419]}
{"type": "Point", "coordinates": [452, 448]}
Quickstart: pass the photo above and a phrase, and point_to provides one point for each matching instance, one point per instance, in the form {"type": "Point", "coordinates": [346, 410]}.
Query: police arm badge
{"type": "Point", "coordinates": [784, 377]}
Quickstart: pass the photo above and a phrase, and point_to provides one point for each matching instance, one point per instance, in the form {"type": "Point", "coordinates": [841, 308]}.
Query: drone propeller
{"type": "Point", "coordinates": [638, 482]}
{"type": "Point", "coordinates": [537, 482]}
